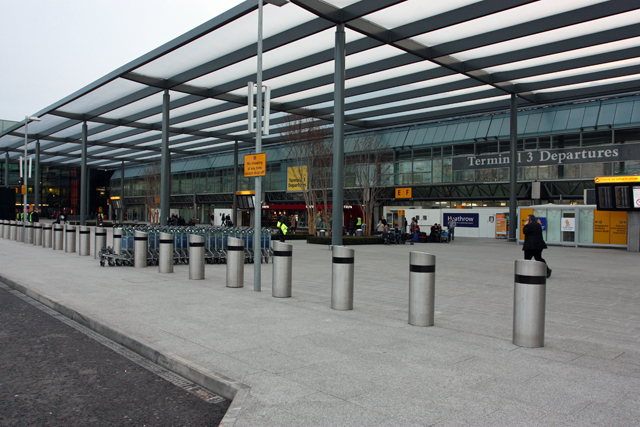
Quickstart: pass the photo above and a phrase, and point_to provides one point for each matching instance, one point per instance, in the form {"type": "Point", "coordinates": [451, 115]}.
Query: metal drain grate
{"type": "Point", "coordinates": [167, 375]}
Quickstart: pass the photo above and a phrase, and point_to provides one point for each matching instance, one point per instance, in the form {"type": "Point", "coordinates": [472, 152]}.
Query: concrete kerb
{"type": "Point", "coordinates": [224, 386]}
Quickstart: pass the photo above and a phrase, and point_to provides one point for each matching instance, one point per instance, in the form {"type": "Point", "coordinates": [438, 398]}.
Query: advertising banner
{"type": "Point", "coordinates": [601, 227]}
{"type": "Point", "coordinates": [568, 224]}
{"type": "Point", "coordinates": [501, 226]}
{"type": "Point", "coordinates": [469, 220]}
{"type": "Point", "coordinates": [618, 228]}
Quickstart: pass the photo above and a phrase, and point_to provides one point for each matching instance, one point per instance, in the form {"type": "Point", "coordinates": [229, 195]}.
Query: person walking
{"type": "Point", "coordinates": [452, 228]}
{"type": "Point", "coordinates": [282, 227]}
{"type": "Point", "coordinates": [533, 242]}
{"type": "Point", "coordinates": [293, 224]}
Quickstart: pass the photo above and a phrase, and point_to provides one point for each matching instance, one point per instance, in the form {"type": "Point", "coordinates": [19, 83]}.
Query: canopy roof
{"type": "Point", "coordinates": [408, 61]}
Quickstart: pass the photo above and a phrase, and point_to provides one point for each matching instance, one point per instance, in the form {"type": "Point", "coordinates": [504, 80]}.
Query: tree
{"type": "Point", "coordinates": [151, 187]}
{"type": "Point", "coordinates": [371, 163]}
{"type": "Point", "coordinates": [311, 151]}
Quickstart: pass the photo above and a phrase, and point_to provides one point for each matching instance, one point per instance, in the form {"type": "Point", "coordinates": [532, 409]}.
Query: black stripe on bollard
{"type": "Point", "coordinates": [29, 226]}
{"type": "Point", "coordinates": [337, 260]}
{"type": "Point", "coordinates": [115, 236]}
{"type": "Point", "coordinates": [531, 280]}
{"type": "Point", "coordinates": [100, 234]}
{"type": "Point", "coordinates": [140, 238]}
{"type": "Point", "coordinates": [196, 244]}
{"type": "Point", "coordinates": [44, 227]}
{"type": "Point", "coordinates": [71, 231]}
{"type": "Point", "coordinates": [235, 248]}
{"type": "Point", "coordinates": [282, 253]}
{"type": "Point", "coordinates": [422, 268]}
{"type": "Point", "coordinates": [85, 232]}
{"type": "Point", "coordinates": [166, 241]}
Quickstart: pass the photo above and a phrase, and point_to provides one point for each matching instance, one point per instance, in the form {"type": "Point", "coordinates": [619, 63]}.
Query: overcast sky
{"type": "Point", "coordinates": [51, 48]}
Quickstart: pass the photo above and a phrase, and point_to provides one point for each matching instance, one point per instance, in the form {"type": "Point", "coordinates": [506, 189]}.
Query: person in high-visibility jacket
{"type": "Point", "coordinates": [282, 227]}
{"type": "Point", "coordinates": [359, 224]}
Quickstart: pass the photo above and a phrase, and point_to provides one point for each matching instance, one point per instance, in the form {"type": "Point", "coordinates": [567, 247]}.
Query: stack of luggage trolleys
{"type": "Point", "coordinates": [215, 244]}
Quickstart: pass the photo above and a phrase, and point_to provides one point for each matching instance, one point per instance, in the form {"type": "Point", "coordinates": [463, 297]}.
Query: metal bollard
{"type": "Point", "coordinates": [37, 234]}
{"type": "Point", "coordinates": [47, 236]}
{"type": "Point", "coordinates": [235, 262]}
{"type": "Point", "coordinates": [6, 230]}
{"type": "Point", "coordinates": [70, 238]}
{"type": "Point", "coordinates": [19, 231]}
{"type": "Point", "coordinates": [58, 237]}
{"type": "Point", "coordinates": [117, 241]}
{"type": "Point", "coordinates": [422, 288]}
{"type": "Point", "coordinates": [165, 263]}
{"type": "Point", "coordinates": [140, 247]}
{"type": "Point", "coordinates": [84, 241]}
{"type": "Point", "coordinates": [529, 297]}
{"type": "Point", "coordinates": [2, 228]}
{"type": "Point", "coordinates": [196, 257]}
{"type": "Point", "coordinates": [282, 269]}
{"type": "Point", "coordinates": [100, 241]}
{"type": "Point", "coordinates": [28, 229]}
{"type": "Point", "coordinates": [342, 278]}
{"type": "Point", "coordinates": [12, 230]}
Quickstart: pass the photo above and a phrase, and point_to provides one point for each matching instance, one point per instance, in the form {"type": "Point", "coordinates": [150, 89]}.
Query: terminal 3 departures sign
{"type": "Point", "coordinates": [559, 156]}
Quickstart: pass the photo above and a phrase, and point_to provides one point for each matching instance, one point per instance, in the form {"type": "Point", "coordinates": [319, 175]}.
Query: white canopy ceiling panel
{"type": "Point", "coordinates": [414, 10]}
{"type": "Point", "coordinates": [144, 104]}
{"type": "Point", "coordinates": [594, 83]}
{"type": "Point", "coordinates": [101, 96]}
{"type": "Point", "coordinates": [305, 94]}
{"type": "Point", "coordinates": [406, 88]}
{"type": "Point", "coordinates": [389, 74]}
{"type": "Point", "coordinates": [504, 19]}
{"type": "Point", "coordinates": [421, 99]}
{"type": "Point", "coordinates": [579, 71]}
{"type": "Point", "coordinates": [221, 128]}
{"type": "Point", "coordinates": [444, 107]}
{"type": "Point", "coordinates": [227, 74]}
{"type": "Point", "coordinates": [176, 113]}
{"type": "Point", "coordinates": [306, 74]}
{"type": "Point", "coordinates": [372, 55]}
{"type": "Point", "coordinates": [564, 33]}
{"type": "Point", "coordinates": [151, 133]}
{"type": "Point", "coordinates": [75, 130]}
{"type": "Point", "coordinates": [565, 56]}
{"type": "Point", "coordinates": [156, 118]}
{"type": "Point", "coordinates": [67, 146]}
{"type": "Point", "coordinates": [46, 122]}
{"type": "Point", "coordinates": [225, 40]}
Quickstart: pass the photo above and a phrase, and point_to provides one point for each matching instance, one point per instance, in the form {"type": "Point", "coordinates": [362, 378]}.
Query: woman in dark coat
{"type": "Point", "coordinates": [533, 241]}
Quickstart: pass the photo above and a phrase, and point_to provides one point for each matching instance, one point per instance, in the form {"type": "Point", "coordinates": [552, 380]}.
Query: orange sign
{"type": "Point", "coordinates": [403, 193]}
{"type": "Point", "coordinates": [255, 164]}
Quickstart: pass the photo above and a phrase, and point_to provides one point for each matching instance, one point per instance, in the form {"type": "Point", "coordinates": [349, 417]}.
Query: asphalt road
{"type": "Point", "coordinates": [54, 375]}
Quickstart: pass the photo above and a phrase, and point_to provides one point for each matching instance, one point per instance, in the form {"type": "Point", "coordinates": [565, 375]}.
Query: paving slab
{"type": "Point", "coordinates": [298, 362]}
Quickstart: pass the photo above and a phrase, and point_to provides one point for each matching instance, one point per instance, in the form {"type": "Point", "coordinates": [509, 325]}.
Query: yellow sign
{"type": "Point", "coordinates": [401, 212]}
{"type": "Point", "coordinates": [601, 225]}
{"type": "Point", "coordinates": [297, 178]}
{"type": "Point", "coordinates": [24, 189]}
{"type": "Point", "coordinates": [618, 228]}
{"type": "Point", "coordinates": [255, 164]}
{"type": "Point", "coordinates": [245, 193]}
{"type": "Point", "coordinates": [614, 179]}
{"type": "Point", "coordinates": [524, 213]}
{"type": "Point", "coordinates": [403, 193]}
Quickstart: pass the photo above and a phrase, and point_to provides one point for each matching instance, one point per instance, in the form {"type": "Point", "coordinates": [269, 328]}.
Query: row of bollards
{"type": "Point", "coordinates": [529, 281]}
{"type": "Point", "coordinates": [55, 236]}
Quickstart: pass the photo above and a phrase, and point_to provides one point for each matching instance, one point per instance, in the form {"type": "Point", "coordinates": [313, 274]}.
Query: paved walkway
{"type": "Point", "coordinates": [297, 362]}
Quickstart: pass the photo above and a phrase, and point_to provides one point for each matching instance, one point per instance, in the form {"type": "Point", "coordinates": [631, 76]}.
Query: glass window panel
{"type": "Point", "coordinates": [487, 175]}
{"type": "Point", "coordinates": [487, 147]}
{"type": "Point", "coordinates": [554, 233]}
{"type": "Point", "coordinates": [586, 226]}
{"type": "Point", "coordinates": [437, 171]}
{"type": "Point", "coordinates": [463, 176]}
{"type": "Point", "coordinates": [592, 170]}
{"type": "Point", "coordinates": [548, 172]}
{"type": "Point", "coordinates": [446, 170]}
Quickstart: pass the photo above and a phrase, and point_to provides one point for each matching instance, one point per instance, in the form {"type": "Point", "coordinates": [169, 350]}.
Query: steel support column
{"type": "Point", "coordinates": [6, 169]}
{"type": "Point", "coordinates": [234, 214]}
{"type": "Point", "coordinates": [513, 164]}
{"type": "Point", "coordinates": [338, 137]}
{"type": "Point", "coordinates": [121, 216]}
{"type": "Point", "coordinates": [36, 186]}
{"type": "Point", "coordinates": [257, 277]}
{"type": "Point", "coordinates": [83, 176]}
{"type": "Point", "coordinates": [165, 167]}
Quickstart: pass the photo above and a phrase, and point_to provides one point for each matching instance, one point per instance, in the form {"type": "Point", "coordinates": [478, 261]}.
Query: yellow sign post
{"type": "Point", "coordinates": [403, 193]}
{"type": "Point", "coordinates": [255, 165]}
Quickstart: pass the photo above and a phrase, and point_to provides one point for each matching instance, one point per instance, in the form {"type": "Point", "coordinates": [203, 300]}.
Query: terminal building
{"type": "Point", "coordinates": [453, 96]}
